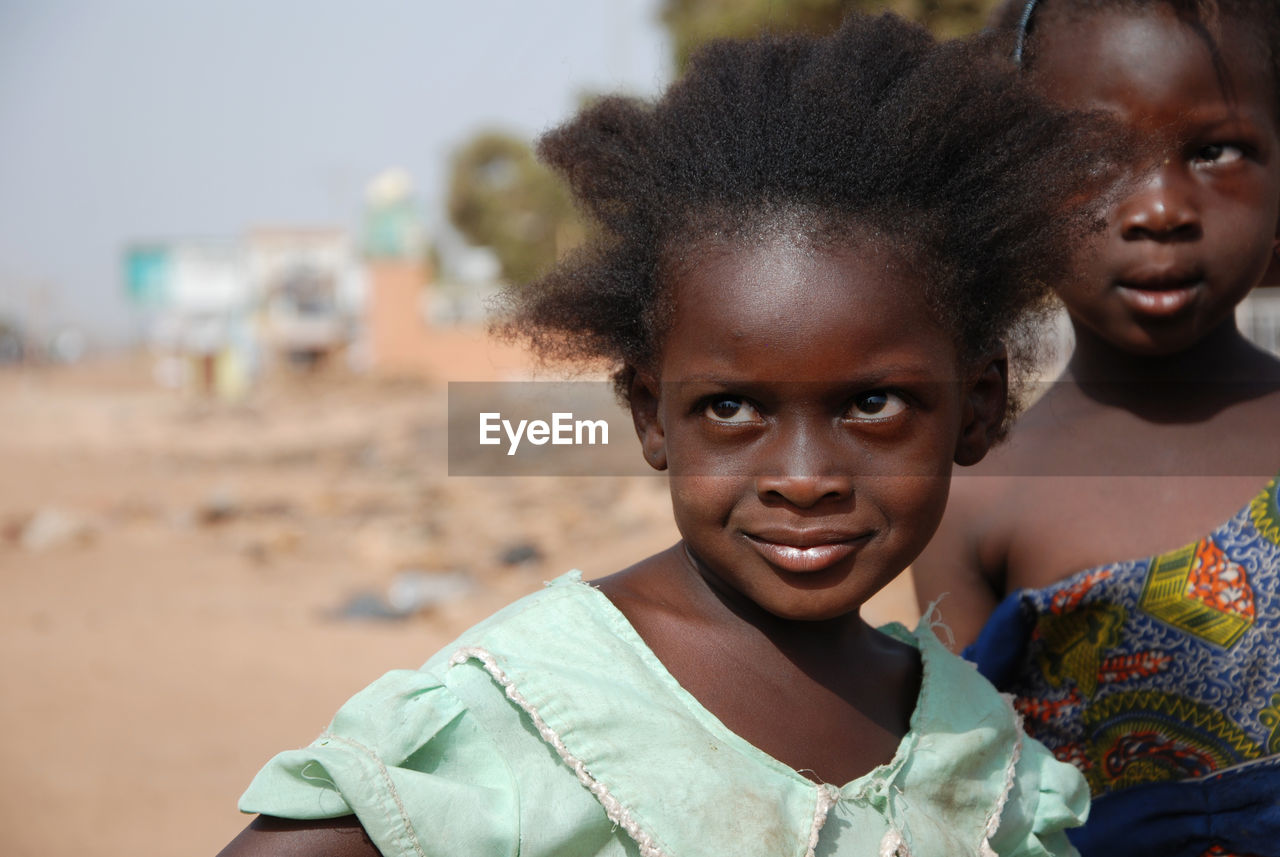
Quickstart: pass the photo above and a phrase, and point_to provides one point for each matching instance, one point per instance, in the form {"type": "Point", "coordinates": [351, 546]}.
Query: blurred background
{"type": "Point", "coordinates": [243, 248]}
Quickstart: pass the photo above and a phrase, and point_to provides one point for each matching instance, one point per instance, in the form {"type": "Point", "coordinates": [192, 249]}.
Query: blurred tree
{"type": "Point", "coordinates": [694, 22]}
{"type": "Point", "coordinates": [947, 18]}
{"type": "Point", "coordinates": [501, 197]}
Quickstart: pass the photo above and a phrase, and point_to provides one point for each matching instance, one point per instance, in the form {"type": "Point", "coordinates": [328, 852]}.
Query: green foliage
{"type": "Point", "coordinates": [502, 198]}
{"type": "Point", "coordinates": [946, 18]}
{"type": "Point", "coordinates": [691, 23]}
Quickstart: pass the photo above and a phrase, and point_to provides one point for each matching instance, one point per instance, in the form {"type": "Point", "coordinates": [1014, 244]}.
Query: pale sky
{"type": "Point", "coordinates": [127, 120]}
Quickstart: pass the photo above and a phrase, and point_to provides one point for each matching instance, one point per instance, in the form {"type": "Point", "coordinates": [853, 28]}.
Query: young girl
{"type": "Point", "coordinates": [808, 258]}
{"type": "Point", "coordinates": [1142, 635]}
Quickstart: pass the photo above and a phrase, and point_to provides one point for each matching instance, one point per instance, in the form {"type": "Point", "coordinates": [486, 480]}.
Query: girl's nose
{"type": "Point", "coordinates": [804, 492]}
{"type": "Point", "coordinates": [1163, 208]}
{"type": "Point", "coordinates": [799, 466]}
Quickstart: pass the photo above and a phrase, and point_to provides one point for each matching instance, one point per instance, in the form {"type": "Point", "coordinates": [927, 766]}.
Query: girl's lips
{"type": "Point", "coordinates": [1159, 302]}
{"type": "Point", "coordinates": [808, 558]}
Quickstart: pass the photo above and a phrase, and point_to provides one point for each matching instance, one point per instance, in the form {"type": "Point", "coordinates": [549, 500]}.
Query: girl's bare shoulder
{"type": "Point", "coordinates": [279, 837]}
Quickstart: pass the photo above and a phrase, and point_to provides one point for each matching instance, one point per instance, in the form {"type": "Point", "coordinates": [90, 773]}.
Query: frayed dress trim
{"type": "Point", "coordinates": [613, 808]}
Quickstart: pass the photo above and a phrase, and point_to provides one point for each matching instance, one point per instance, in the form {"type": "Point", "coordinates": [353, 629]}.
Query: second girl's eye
{"type": "Point", "coordinates": [1218, 154]}
{"type": "Point", "coordinates": [728, 409]}
{"type": "Point", "coordinates": [876, 405]}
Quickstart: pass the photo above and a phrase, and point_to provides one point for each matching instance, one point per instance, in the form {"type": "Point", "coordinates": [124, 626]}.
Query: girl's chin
{"type": "Point", "coordinates": [812, 597]}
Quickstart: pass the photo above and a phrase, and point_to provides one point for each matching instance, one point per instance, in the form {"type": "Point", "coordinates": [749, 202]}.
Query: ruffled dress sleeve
{"type": "Point", "coordinates": [406, 757]}
{"type": "Point", "coordinates": [1047, 798]}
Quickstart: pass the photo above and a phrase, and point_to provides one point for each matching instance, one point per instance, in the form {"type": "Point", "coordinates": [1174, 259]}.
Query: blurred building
{"type": "Point", "coordinates": [222, 310]}
{"type": "Point", "coordinates": [308, 292]}
{"type": "Point", "coordinates": [427, 306]}
{"type": "Point", "coordinates": [393, 243]}
{"type": "Point", "coordinates": [198, 296]}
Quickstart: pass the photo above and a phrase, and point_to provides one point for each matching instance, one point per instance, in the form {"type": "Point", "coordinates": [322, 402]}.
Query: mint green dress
{"type": "Point", "coordinates": [552, 730]}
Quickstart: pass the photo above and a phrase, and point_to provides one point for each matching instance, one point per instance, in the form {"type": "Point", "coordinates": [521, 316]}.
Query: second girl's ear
{"type": "Point", "coordinates": [986, 401]}
{"type": "Point", "coordinates": [644, 398]}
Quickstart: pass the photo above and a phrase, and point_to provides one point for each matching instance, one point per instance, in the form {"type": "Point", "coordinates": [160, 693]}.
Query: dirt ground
{"type": "Point", "coordinates": [185, 586]}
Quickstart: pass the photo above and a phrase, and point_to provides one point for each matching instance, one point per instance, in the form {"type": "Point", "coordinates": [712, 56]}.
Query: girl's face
{"type": "Point", "coordinates": [809, 408]}
{"type": "Point", "coordinates": [1199, 228]}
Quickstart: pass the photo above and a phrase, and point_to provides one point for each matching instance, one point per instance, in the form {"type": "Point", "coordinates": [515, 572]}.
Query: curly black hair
{"type": "Point", "coordinates": [936, 150]}
{"type": "Point", "coordinates": [1022, 19]}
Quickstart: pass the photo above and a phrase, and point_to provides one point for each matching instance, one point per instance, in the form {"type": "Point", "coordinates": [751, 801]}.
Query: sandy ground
{"type": "Point", "coordinates": [173, 575]}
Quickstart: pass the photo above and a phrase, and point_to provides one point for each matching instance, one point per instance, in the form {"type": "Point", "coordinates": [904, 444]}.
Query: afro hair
{"type": "Point", "coordinates": [936, 149]}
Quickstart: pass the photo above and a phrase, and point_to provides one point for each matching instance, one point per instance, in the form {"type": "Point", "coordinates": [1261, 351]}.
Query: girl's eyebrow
{"type": "Point", "coordinates": [1232, 122]}
{"type": "Point", "coordinates": [1235, 115]}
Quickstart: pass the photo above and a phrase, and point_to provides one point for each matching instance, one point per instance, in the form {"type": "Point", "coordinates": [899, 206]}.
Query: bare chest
{"type": "Point", "coordinates": [1062, 525]}
{"type": "Point", "coordinates": [833, 720]}
{"type": "Point", "coordinates": [1083, 485]}
{"type": "Point", "coordinates": [829, 734]}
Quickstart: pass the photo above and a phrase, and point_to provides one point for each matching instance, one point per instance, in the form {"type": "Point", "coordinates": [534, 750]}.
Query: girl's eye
{"type": "Point", "coordinates": [727, 409]}
{"type": "Point", "coordinates": [876, 406]}
{"type": "Point", "coordinates": [1219, 154]}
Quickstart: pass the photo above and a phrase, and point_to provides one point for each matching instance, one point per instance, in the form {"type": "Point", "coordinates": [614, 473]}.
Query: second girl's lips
{"type": "Point", "coordinates": [1158, 292]}
{"type": "Point", "coordinates": [803, 551]}
{"type": "Point", "coordinates": [1157, 303]}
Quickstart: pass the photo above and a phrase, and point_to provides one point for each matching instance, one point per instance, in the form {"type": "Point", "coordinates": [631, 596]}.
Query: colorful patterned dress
{"type": "Point", "coordinates": [1160, 679]}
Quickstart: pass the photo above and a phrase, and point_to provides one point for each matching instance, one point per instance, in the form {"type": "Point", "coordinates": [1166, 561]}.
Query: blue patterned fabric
{"type": "Point", "coordinates": [1160, 679]}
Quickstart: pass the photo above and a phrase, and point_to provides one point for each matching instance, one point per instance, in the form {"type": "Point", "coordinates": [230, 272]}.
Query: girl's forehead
{"type": "Point", "coordinates": [784, 296]}
{"type": "Point", "coordinates": [1105, 29]}
{"type": "Point", "coordinates": [768, 272]}
{"type": "Point", "coordinates": [1151, 60]}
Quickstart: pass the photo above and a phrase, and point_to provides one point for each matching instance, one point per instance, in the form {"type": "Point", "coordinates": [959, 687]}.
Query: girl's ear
{"type": "Point", "coordinates": [644, 397]}
{"type": "Point", "coordinates": [986, 401]}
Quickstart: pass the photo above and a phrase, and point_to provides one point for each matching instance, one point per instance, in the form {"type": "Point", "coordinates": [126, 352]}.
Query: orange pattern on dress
{"type": "Point", "coordinates": [1218, 582]}
{"type": "Point", "coordinates": [1045, 710]}
{"type": "Point", "coordinates": [1074, 754]}
{"type": "Point", "coordinates": [1138, 665]}
{"type": "Point", "coordinates": [1070, 596]}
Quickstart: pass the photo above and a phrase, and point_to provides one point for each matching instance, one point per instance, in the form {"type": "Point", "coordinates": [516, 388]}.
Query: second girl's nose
{"type": "Point", "coordinates": [1162, 208]}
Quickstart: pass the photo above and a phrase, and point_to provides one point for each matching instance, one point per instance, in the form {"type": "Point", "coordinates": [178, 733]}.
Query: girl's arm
{"type": "Point", "coordinates": [963, 564]}
{"type": "Point", "coordinates": [267, 836]}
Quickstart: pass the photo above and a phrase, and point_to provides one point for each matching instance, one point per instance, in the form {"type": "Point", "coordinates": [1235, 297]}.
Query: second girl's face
{"type": "Point", "coordinates": [1198, 230]}
{"type": "Point", "coordinates": [809, 408]}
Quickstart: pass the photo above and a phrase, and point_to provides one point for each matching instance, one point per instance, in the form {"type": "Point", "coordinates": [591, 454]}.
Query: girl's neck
{"type": "Point", "coordinates": [822, 639]}
{"type": "Point", "coordinates": [1223, 356]}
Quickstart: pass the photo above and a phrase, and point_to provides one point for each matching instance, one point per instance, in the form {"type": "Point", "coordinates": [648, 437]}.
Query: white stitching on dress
{"type": "Point", "coordinates": [993, 820]}
{"type": "Point", "coordinates": [616, 812]}
{"type": "Point", "coordinates": [391, 786]}
{"type": "Point", "coordinates": [893, 845]}
{"type": "Point", "coordinates": [827, 797]}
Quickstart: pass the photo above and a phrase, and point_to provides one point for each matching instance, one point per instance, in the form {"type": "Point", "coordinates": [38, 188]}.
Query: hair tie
{"type": "Point", "coordinates": [1024, 24]}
